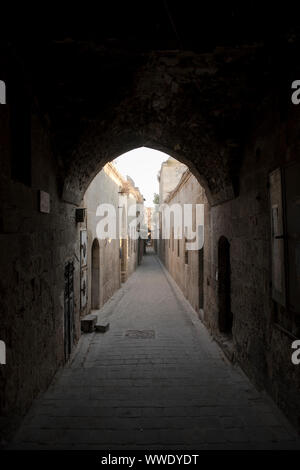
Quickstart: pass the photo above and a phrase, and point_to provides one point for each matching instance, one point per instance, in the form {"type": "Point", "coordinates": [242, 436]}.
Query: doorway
{"type": "Point", "coordinates": [224, 286]}
{"type": "Point", "coordinates": [95, 294]}
{"type": "Point", "coordinates": [68, 309]}
{"type": "Point", "coordinates": [200, 278]}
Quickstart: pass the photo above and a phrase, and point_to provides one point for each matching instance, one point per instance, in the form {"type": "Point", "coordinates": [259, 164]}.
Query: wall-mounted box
{"type": "Point", "coordinates": [44, 202]}
{"type": "Point", "coordinates": [80, 215]}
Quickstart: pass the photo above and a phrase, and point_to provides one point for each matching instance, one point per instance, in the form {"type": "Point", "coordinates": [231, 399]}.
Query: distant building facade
{"type": "Point", "coordinates": [148, 222]}
{"type": "Point", "coordinates": [186, 266]}
{"type": "Point", "coordinates": [168, 177]}
{"type": "Point", "coordinates": [109, 261]}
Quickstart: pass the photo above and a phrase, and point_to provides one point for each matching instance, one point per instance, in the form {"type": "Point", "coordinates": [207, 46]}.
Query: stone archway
{"type": "Point", "coordinates": [210, 109]}
{"type": "Point", "coordinates": [169, 109]}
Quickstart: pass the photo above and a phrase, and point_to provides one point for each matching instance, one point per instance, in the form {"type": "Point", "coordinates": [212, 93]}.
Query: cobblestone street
{"type": "Point", "coordinates": [154, 380]}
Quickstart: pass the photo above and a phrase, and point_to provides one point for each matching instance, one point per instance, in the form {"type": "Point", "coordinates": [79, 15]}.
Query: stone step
{"type": "Point", "coordinates": [88, 323]}
{"type": "Point", "coordinates": [101, 327]}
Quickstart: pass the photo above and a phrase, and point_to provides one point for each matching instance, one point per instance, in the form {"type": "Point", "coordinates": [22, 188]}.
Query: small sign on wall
{"type": "Point", "coordinates": [2, 92]}
{"type": "Point", "coordinates": [2, 353]}
{"type": "Point", "coordinates": [44, 202]}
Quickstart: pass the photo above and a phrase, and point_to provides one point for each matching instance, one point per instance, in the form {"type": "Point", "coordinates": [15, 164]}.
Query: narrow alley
{"type": "Point", "coordinates": [154, 380]}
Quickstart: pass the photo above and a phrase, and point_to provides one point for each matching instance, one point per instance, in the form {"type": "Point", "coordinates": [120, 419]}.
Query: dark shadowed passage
{"type": "Point", "coordinates": [156, 379]}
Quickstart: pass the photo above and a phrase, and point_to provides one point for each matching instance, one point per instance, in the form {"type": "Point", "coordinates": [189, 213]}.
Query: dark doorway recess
{"type": "Point", "coordinates": [95, 275]}
{"type": "Point", "coordinates": [200, 278]}
{"type": "Point", "coordinates": [68, 309]}
{"type": "Point", "coordinates": [224, 286]}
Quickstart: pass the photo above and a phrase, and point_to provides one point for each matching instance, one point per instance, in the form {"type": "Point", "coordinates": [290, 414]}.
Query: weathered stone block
{"type": "Point", "coordinates": [88, 323]}
{"type": "Point", "coordinates": [101, 327]}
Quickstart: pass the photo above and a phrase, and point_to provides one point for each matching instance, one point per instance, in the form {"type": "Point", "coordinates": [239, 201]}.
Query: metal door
{"type": "Point", "coordinates": [83, 269]}
{"type": "Point", "coordinates": [277, 238]}
{"type": "Point", "coordinates": [68, 308]}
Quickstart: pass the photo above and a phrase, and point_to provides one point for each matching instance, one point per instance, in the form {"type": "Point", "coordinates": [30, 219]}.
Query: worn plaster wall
{"type": "Point", "coordinates": [186, 275]}
{"type": "Point", "coordinates": [103, 190]}
{"type": "Point", "coordinates": [169, 176]}
{"type": "Point", "coordinates": [34, 249]}
{"type": "Point", "coordinates": [132, 252]}
{"type": "Point", "coordinates": [106, 188]}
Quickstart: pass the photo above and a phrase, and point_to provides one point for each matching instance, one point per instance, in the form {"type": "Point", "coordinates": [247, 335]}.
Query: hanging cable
{"type": "Point", "coordinates": [173, 25]}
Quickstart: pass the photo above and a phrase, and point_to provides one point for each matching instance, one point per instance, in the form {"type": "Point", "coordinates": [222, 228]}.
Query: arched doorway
{"type": "Point", "coordinates": [95, 295]}
{"type": "Point", "coordinates": [224, 286]}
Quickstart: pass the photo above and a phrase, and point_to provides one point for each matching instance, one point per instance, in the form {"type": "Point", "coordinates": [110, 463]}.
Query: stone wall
{"type": "Point", "coordinates": [132, 251]}
{"type": "Point", "coordinates": [169, 176]}
{"type": "Point", "coordinates": [34, 249]}
{"type": "Point", "coordinates": [224, 113]}
{"type": "Point", "coordinates": [263, 331]}
{"type": "Point", "coordinates": [262, 346]}
{"type": "Point", "coordinates": [186, 274]}
{"type": "Point", "coordinates": [103, 190]}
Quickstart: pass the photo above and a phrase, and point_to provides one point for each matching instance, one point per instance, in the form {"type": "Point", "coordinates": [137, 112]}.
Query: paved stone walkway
{"type": "Point", "coordinates": [168, 387]}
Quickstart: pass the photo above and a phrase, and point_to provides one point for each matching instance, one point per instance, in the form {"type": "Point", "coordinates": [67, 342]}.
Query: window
{"type": "Point", "coordinates": [285, 243]}
{"type": "Point", "coordinates": [20, 128]}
